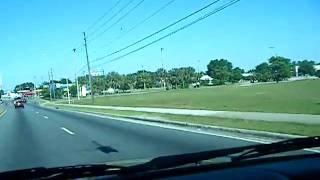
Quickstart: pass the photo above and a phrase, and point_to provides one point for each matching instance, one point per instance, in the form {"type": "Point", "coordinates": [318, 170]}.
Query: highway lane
{"type": "Point", "coordinates": [35, 136]}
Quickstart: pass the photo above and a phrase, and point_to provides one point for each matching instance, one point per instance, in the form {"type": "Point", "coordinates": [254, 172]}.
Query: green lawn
{"type": "Point", "coordinates": [278, 127]}
{"type": "Point", "coordinates": [291, 97]}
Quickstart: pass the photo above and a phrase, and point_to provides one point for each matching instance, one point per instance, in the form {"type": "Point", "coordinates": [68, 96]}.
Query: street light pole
{"type": "Point", "coordinates": [54, 87]}
{"type": "Point", "coordinates": [198, 79]}
{"type": "Point", "coordinates": [144, 79]}
{"type": "Point", "coordinates": [163, 76]}
{"type": "Point", "coordinates": [50, 87]}
{"type": "Point", "coordinates": [76, 78]}
{"type": "Point", "coordinates": [78, 91]}
{"type": "Point", "coordinates": [88, 64]}
{"type": "Point", "coordinates": [68, 91]}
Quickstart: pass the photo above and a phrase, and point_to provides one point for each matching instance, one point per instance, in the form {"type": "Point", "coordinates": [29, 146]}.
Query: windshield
{"type": "Point", "coordinates": [126, 81]}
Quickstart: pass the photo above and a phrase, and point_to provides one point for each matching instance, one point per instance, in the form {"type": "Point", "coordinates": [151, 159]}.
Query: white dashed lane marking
{"type": "Point", "coordinates": [46, 117]}
{"type": "Point", "coordinates": [67, 130]}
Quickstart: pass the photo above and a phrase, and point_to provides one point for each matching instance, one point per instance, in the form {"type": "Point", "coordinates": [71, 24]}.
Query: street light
{"type": "Point", "coordinates": [68, 91]}
{"type": "Point", "coordinates": [144, 80]}
{"type": "Point", "coordinates": [76, 78]}
{"type": "Point", "coordinates": [163, 71]}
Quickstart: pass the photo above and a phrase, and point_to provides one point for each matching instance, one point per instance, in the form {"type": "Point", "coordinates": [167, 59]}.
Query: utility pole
{"type": "Point", "coordinates": [76, 78]}
{"type": "Point", "coordinates": [35, 86]}
{"type": "Point", "coordinates": [54, 88]}
{"type": "Point", "coordinates": [50, 86]}
{"type": "Point", "coordinates": [163, 70]}
{"type": "Point", "coordinates": [88, 64]}
{"type": "Point", "coordinates": [198, 79]}
{"type": "Point", "coordinates": [78, 91]}
{"type": "Point", "coordinates": [144, 78]}
{"type": "Point", "coordinates": [68, 91]}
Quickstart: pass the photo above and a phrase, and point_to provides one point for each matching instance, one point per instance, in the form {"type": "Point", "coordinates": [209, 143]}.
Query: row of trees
{"type": "Point", "coordinates": [280, 68]}
{"type": "Point", "coordinates": [221, 70]}
{"type": "Point", "coordinates": [24, 86]}
{"type": "Point", "coordinates": [174, 78]}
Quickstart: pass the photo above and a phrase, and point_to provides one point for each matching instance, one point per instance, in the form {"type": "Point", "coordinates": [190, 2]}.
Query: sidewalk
{"type": "Point", "coordinates": [275, 117]}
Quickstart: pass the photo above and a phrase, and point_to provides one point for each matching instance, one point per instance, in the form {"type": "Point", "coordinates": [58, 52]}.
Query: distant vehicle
{"type": "Point", "coordinates": [18, 103]}
{"type": "Point", "coordinates": [24, 100]}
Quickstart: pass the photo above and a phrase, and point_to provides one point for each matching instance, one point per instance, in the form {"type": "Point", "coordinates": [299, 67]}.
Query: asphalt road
{"type": "Point", "coordinates": [35, 136]}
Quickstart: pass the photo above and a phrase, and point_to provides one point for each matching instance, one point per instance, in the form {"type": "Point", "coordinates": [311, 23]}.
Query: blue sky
{"type": "Point", "coordinates": [37, 35]}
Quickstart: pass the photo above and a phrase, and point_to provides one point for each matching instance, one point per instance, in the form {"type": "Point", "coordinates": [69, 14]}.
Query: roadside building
{"type": "Point", "coordinates": [206, 80]}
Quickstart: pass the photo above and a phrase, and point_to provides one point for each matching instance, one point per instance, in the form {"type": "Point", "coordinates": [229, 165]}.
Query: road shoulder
{"type": "Point", "coordinates": [265, 134]}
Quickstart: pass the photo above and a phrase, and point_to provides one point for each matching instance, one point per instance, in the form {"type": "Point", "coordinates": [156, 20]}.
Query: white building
{"type": "Point", "coordinates": [83, 90]}
{"type": "Point", "coordinates": [206, 78]}
{"type": "Point", "coordinates": [10, 96]}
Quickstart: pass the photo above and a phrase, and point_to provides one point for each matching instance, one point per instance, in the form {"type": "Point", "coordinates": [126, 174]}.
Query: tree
{"type": "Point", "coordinates": [45, 93]}
{"type": "Point", "coordinates": [59, 93]}
{"type": "Point", "coordinates": [24, 86]}
{"type": "Point", "coordinates": [124, 84]}
{"type": "Point", "coordinates": [160, 76]}
{"type": "Point", "coordinates": [317, 73]}
{"type": "Point", "coordinates": [306, 67]}
{"type": "Point", "coordinates": [144, 79]}
{"type": "Point", "coordinates": [73, 90]}
{"type": "Point", "coordinates": [220, 70]}
{"type": "Point", "coordinates": [113, 80]}
{"type": "Point", "coordinates": [1, 93]}
{"type": "Point", "coordinates": [236, 75]}
{"type": "Point", "coordinates": [173, 78]}
{"type": "Point", "coordinates": [280, 68]}
{"type": "Point", "coordinates": [263, 72]}
{"type": "Point", "coordinates": [64, 81]}
{"type": "Point", "coordinates": [99, 83]}
{"type": "Point", "coordinates": [83, 80]}
{"type": "Point", "coordinates": [187, 76]}
{"type": "Point", "coordinates": [182, 77]}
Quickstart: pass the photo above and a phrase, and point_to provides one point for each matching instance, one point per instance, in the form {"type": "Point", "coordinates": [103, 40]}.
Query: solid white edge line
{"type": "Point", "coordinates": [261, 141]}
{"type": "Point", "coordinates": [67, 130]}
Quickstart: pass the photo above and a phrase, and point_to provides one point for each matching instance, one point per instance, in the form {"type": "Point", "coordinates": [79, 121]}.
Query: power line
{"type": "Point", "coordinates": [97, 21]}
{"type": "Point", "coordinates": [116, 22]}
{"type": "Point", "coordinates": [173, 32]}
{"type": "Point", "coordinates": [103, 16]}
{"type": "Point", "coordinates": [157, 32]}
{"type": "Point", "coordinates": [143, 21]}
{"type": "Point", "coordinates": [81, 69]}
{"type": "Point", "coordinates": [111, 18]}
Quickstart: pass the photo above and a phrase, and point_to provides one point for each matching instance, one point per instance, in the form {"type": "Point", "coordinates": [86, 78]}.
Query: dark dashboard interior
{"type": "Point", "coordinates": [298, 167]}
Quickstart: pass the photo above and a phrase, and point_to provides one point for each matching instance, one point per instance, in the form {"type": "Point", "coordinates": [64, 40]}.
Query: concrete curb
{"type": "Point", "coordinates": [236, 130]}
{"type": "Point", "coordinates": [257, 116]}
{"type": "Point", "coordinates": [193, 125]}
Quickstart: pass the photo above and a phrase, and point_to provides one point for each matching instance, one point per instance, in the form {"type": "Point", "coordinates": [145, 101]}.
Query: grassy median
{"type": "Point", "coordinates": [279, 127]}
{"type": "Point", "coordinates": [2, 110]}
{"type": "Point", "coordinates": [287, 97]}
